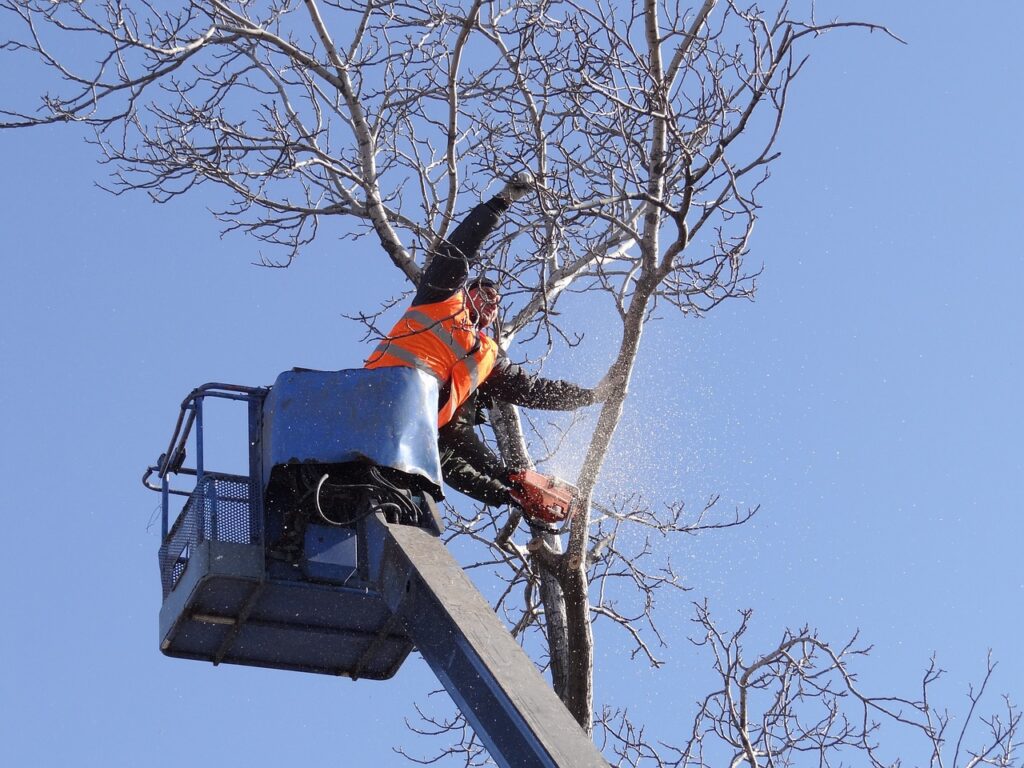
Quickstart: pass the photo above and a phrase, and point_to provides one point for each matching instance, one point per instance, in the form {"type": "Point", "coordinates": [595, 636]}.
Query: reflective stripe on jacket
{"type": "Point", "coordinates": [439, 339]}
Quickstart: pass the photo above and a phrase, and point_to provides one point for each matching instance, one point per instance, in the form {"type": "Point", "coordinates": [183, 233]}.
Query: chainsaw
{"type": "Point", "coordinates": [547, 502]}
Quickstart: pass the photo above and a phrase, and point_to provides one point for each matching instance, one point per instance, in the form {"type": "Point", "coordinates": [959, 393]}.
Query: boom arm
{"type": "Point", "coordinates": [514, 711]}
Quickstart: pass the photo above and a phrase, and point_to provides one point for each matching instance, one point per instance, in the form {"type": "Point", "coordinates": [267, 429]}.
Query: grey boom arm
{"type": "Point", "coordinates": [512, 709]}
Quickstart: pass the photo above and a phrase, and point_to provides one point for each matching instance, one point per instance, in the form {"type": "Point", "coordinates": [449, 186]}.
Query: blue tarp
{"type": "Point", "coordinates": [387, 416]}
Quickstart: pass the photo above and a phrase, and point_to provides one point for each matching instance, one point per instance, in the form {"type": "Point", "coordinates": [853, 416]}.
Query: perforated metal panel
{"type": "Point", "coordinates": [219, 509]}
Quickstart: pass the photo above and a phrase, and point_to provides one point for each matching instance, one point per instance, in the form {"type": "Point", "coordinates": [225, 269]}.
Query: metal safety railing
{"type": "Point", "coordinates": [218, 506]}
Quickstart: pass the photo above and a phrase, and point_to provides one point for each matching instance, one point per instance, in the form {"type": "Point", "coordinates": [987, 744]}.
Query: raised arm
{"type": "Point", "coordinates": [448, 269]}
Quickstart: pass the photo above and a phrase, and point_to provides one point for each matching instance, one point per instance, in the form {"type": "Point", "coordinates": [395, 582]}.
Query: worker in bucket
{"type": "Point", "coordinates": [443, 333]}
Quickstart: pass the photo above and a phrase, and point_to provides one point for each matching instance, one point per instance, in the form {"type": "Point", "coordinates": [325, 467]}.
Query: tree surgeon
{"type": "Point", "coordinates": [443, 334]}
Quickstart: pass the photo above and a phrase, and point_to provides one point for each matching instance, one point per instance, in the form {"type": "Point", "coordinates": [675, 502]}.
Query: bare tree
{"type": "Point", "coordinates": [801, 703]}
{"type": "Point", "coordinates": [650, 127]}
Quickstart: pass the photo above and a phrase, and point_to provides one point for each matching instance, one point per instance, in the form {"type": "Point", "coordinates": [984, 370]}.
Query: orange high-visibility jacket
{"type": "Point", "coordinates": [439, 339]}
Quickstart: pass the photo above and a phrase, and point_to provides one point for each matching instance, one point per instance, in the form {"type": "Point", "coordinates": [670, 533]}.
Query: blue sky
{"type": "Point", "coordinates": [868, 400]}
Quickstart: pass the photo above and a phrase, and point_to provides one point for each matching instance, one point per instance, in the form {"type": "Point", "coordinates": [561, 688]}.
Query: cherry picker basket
{"type": "Point", "coordinates": [265, 569]}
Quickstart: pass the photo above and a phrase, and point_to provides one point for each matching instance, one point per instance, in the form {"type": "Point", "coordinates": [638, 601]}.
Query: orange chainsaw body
{"type": "Point", "coordinates": [543, 497]}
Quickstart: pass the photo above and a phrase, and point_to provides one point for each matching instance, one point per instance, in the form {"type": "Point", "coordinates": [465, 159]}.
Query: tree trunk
{"type": "Point", "coordinates": [575, 583]}
{"type": "Point", "coordinates": [509, 432]}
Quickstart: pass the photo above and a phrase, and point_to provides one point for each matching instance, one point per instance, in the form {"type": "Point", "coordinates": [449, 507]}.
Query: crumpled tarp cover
{"type": "Point", "coordinates": [387, 416]}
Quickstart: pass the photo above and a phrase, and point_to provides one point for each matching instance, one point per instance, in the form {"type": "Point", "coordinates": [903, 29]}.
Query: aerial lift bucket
{"type": "Point", "coordinates": [238, 587]}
